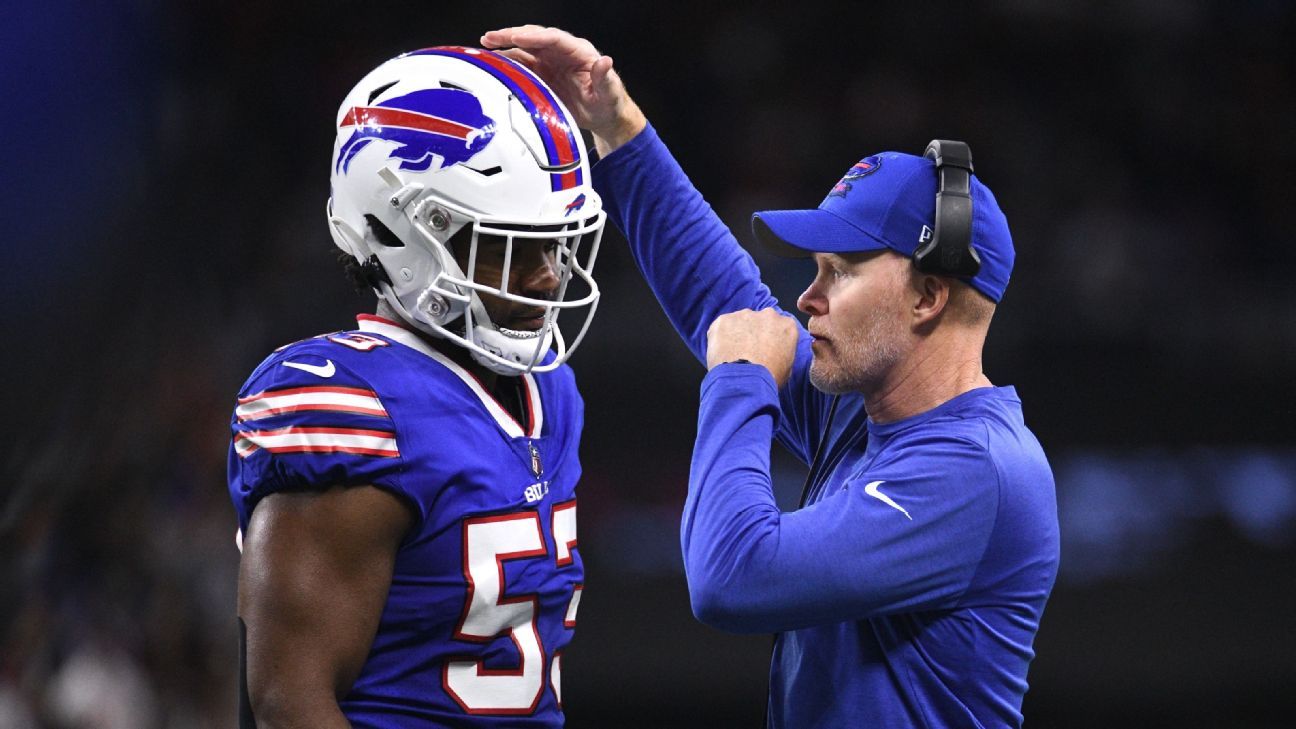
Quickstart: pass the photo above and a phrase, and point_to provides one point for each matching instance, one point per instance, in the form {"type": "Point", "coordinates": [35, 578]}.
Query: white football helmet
{"type": "Point", "coordinates": [447, 137]}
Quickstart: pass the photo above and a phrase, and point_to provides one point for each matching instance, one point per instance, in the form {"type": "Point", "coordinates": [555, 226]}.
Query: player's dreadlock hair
{"type": "Point", "coordinates": [351, 267]}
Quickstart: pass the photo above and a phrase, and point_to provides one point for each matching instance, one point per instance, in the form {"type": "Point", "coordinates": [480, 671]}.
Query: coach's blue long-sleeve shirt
{"type": "Point", "coordinates": [907, 592]}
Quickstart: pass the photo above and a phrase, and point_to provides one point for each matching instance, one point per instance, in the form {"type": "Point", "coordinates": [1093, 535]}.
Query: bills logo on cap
{"type": "Point", "coordinates": [442, 125]}
{"type": "Point", "coordinates": [863, 168]}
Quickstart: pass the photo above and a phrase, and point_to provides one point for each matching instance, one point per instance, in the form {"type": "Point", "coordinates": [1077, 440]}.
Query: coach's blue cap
{"type": "Point", "coordinates": [886, 201]}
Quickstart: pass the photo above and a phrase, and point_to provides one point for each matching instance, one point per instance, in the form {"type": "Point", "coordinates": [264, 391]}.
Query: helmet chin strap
{"type": "Point", "coordinates": [489, 345]}
{"type": "Point", "coordinates": [514, 350]}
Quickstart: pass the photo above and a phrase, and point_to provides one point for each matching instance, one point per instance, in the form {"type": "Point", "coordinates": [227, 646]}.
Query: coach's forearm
{"type": "Point", "coordinates": [691, 261]}
{"type": "Point", "coordinates": [731, 521]}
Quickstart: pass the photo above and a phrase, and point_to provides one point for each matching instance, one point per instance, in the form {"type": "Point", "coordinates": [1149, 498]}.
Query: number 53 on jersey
{"type": "Point", "coordinates": [492, 610]}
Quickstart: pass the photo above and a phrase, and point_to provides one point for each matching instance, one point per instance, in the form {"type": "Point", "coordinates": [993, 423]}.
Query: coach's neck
{"type": "Point", "coordinates": [941, 361]}
{"type": "Point", "coordinates": [922, 383]}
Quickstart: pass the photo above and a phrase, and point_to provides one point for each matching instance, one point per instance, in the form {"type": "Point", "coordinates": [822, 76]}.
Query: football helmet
{"type": "Point", "coordinates": [439, 139]}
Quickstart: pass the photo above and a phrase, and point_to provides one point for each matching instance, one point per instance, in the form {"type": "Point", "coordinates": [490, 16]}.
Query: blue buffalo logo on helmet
{"type": "Point", "coordinates": [433, 124]}
{"type": "Point", "coordinates": [575, 205]}
{"type": "Point", "coordinates": [863, 168]}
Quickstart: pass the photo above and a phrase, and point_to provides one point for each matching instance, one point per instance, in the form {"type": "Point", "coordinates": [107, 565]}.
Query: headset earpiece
{"type": "Point", "coordinates": [948, 251]}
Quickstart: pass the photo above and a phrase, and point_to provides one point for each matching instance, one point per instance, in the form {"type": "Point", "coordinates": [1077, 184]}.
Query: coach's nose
{"type": "Point", "coordinates": [812, 301]}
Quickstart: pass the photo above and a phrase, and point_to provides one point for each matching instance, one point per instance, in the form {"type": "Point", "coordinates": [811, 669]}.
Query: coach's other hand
{"type": "Point", "coordinates": [581, 76]}
{"type": "Point", "coordinates": [762, 337]}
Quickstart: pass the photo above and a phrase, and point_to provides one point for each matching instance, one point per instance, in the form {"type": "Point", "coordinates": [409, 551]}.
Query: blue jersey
{"type": "Point", "coordinates": [908, 591]}
{"type": "Point", "coordinates": [487, 581]}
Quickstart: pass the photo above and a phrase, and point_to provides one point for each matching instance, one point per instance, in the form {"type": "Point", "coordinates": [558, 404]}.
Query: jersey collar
{"type": "Point", "coordinates": [535, 414]}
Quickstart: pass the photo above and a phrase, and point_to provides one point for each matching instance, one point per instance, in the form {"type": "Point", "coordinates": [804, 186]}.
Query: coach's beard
{"type": "Point", "coordinates": [857, 361]}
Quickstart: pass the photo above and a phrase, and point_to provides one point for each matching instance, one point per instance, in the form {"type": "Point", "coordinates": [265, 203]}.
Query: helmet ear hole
{"type": "Point", "coordinates": [374, 94]}
{"type": "Point", "coordinates": [382, 233]}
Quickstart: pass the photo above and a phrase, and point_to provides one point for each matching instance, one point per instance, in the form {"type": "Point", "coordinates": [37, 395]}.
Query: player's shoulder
{"type": "Point", "coordinates": [310, 417]}
{"type": "Point", "coordinates": [353, 348]}
{"type": "Point", "coordinates": [316, 396]}
{"type": "Point", "coordinates": [337, 359]}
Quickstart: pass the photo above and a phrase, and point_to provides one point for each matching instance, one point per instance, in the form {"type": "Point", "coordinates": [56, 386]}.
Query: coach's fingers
{"type": "Point", "coordinates": [504, 36]}
{"type": "Point", "coordinates": [603, 80]}
{"type": "Point", "coordinates": [519, 55]}
{"type": "Point", "coordinates": [533, 37]}
{"type": "Point", "coordinates": [551, 41]}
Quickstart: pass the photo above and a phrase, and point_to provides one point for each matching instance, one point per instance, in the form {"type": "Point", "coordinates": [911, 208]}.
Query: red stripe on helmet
{"type": "Point", "coordinates": [379, 116]}
{"type": "Point", "coordinates": [550, 115]}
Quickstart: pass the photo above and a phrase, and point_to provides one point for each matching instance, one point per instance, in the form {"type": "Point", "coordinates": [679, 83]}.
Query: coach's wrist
{"type": "Point", "coordinates": [627, 125]}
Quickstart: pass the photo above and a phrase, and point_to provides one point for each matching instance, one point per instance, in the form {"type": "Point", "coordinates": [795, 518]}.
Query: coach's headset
{"type": "Point", "coordinates": [948, 252]}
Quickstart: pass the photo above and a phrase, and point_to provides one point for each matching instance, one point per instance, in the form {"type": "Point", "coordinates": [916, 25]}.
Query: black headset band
{"type": "Point", "coordinates": [948, 251]}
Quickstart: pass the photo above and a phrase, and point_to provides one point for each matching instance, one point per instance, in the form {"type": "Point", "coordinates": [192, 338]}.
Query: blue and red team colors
{"type": "Point", "coordinates": [908, 591]}
{"type": "Point", "coordinates": [558, 138]}
{"type": "Point", "coordinates": [487, 582]}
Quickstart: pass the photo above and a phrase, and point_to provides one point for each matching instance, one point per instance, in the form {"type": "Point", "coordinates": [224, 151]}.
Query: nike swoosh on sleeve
{"type": "Point", "coordinates": [325, 370]}
{"type": "Point", "coordinates": [871, 489]}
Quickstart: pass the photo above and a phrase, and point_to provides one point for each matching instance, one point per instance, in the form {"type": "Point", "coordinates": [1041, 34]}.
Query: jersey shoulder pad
{"type": "Point", "coordinates": [311, 397]}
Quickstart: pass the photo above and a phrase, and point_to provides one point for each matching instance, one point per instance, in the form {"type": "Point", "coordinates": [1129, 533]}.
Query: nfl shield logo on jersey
{"type": "Point", "coordinates": [536, 467]}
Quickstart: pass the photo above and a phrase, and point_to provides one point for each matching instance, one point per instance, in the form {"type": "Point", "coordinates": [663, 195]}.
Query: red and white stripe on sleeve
{"type": "Point", "coordinates": [336, 399]}
{"type": "Point", "coordinates": [297, 439]}
{"type": "Point", "coordinates": [314, 438]}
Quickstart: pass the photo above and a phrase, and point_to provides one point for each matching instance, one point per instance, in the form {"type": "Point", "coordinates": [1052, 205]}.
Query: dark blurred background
{"type": "Point", "coordinates": [162, 205]}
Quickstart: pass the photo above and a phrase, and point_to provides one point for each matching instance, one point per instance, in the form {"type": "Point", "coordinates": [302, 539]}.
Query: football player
{"type": "Point", "coordinates": [406, 489]}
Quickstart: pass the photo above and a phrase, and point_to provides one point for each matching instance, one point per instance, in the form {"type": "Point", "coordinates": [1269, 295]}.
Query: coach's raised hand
{"type": "Point", "coordinates": [581, 76]}
{"type": "Point", "coordinates": [763, 337]}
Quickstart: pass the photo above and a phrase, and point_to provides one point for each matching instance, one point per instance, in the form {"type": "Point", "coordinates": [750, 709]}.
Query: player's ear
{"type": "Point", "coordinates": [931, 300]}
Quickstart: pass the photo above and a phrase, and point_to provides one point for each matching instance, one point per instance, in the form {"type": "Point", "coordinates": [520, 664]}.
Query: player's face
{"type": "Point", "coordinates": [857, 308]}
{"type": "Point", "coordinates": [533, 273]}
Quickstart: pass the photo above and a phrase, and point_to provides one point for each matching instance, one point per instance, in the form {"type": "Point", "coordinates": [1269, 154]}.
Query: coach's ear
{"type": "Point", "coordinates": [931, 297]}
